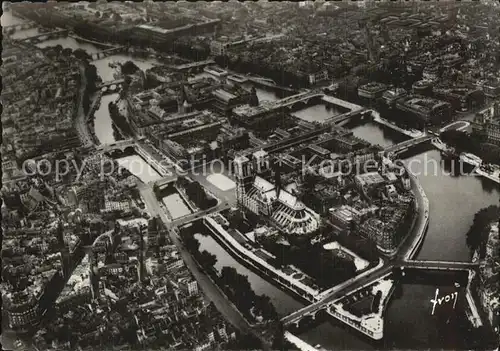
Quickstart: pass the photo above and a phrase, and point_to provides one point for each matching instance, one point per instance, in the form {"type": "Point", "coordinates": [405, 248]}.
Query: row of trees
{"type": "Point", "coordinates": [129, 67]}
{"type": "Point", "coordinates": [196, 193]}
{"type": "Point", "coordinates": [206, 260]}
{"type": "Point", "coordinates": [92, 78]}
{"type": "Point", "coordinates": [239, 290]}
{"type": "Point", "coordinates": [58, 50]}
{"type": "Point", "coordinates": [236, 286]}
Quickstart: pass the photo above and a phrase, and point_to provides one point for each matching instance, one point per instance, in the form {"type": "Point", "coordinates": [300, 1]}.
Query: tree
{"type": "Point", "coordinates": [236, 218]}
{"type": "Point", "coordinates": [490, 153]}
{"type": "Point", "coordinates": [192, 245]}
{"type": "Point", "coordinates": [129, 67]}
{"type": "Point", "coordinates": [228, 275]}
{"type": "Point", "coordinates": [197, 194]}
{"type": "Point", "coordinates": [279, 341]}
{"type": "Point", "coordinates": [81, 54]}
{"type": "Point", "coordinates": [156, 189]}
{"type": "Point", "coordinates": [58, 48]}
{"type": "Point", "coordinates": [244, 342]}
{"type": "Point", "coordinates": [264, 305]}
{"type": "Point", "coordinates": [207, 260]}
{"type": "Point", "coordinates": [67, 51]}
{"type": "Point", "coordinates": [477, 236]}
{"type": "Point", "coordinates": [181, 182]}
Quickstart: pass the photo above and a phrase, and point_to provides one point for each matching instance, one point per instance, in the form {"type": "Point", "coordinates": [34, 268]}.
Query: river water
{"type": "Point", "coordinates": [140, 168]}
{"type": "Point", "coordinates": [453, 201]}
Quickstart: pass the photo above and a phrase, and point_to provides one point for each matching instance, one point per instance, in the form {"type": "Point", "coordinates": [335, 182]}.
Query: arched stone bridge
{"type": "Point", "coordinates": [119, 145]}
{"type": "Point", "coordinates": [45, 36]}
{"type": "Point", "coordinates": [108, 52]}
{"type": "Point", "coordinates": [17, 27]}
{"type": "Point", "coordinates": [111, 87]}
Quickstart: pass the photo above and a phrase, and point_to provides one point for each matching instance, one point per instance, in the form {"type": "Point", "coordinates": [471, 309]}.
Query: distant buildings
{"type": "Point", "coordinates": [427, 110]}
{"type": "Point", "coordinates": [345, 216]}
{"type": "Point", "coordinates": [369, 180]}
{"type": "Point", "coordinates": [423, 87]}
{"type": "Point", "coordinates": [489, 284]}
{"type": "Point", "coordinates": [491, 88]}
{"type": "Point", "coordinates": [392, 95]}
{"type": "Point", "coordinates": [460, 98]}
{"type": "Point", "coordinates": [161, 35]}
{"type": "Point", "coordinates": [390, 225]}
{"type": "Point", "coordinates": [487, 123]}
{"type": "Point", "coordinates": [372, 90]}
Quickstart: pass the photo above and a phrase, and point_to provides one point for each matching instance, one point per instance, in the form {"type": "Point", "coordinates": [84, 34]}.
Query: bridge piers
{"type": "Point", "coordinates": [45, 36]}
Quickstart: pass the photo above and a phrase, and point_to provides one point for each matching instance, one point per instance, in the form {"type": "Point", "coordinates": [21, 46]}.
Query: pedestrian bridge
{"type": "Point", "coordinates": [405, 145]}
{"type": "Point", "coordinates": [439, 265]}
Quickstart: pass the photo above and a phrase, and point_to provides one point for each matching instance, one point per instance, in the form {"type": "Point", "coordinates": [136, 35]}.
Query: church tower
{"type": "Point", "coordinates": [261, 163]}
{"type": "Point", "coordinates": [181, 99]}
{"type": "Point", "coordinates": [244, 176]}
{"type": "Point", "coordinates": [94, 275]}
{"type": "Point", "coordinates": [254, 99]}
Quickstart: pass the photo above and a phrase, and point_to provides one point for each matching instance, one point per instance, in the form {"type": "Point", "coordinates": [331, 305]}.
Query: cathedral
{"type": "Point", "coordinates": [256, 193]}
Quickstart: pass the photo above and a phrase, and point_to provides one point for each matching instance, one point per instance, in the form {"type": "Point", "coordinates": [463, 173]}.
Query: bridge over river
{"type": "Point", "coordinates": [327, 301]}
{"type": "Point", "coordinates": [45, 36]}
{"type": "Point", "coordinates": [405, 145]}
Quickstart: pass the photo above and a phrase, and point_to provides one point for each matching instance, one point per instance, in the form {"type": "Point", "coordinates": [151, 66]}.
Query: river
{"type": "Point", "coordinates": [453, 201]}
{"type": "Point", "coordinates": [140, 168]}
{"type": "Point", "coordinates": [283, 303]}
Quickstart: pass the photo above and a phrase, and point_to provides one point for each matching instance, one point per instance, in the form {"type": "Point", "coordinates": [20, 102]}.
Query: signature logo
{"type": "Point", "coordinates": [444, 299]}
